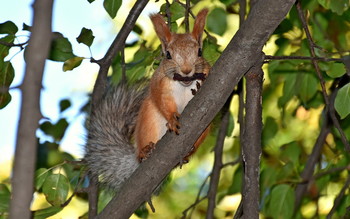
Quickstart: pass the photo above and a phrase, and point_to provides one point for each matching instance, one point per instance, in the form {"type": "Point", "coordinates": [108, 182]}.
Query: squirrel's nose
{"type": "Point", "coordinates": [186, 70]}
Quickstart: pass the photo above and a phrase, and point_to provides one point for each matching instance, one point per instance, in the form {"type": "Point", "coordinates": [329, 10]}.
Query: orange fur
{"type": "Point", "coordinates": [167, 98]}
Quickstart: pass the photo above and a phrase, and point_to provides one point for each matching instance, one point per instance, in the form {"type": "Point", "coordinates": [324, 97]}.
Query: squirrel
{"type": "Point", "coordinates": [130, 119]}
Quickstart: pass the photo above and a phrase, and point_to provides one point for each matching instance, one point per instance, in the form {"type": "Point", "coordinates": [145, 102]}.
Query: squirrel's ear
{"type": "Point", "coordinates": [199, 24]}
{"type": "Point", "coordinates": [162, 30]}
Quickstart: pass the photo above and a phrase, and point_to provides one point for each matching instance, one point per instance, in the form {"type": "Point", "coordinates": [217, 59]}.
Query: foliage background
{"type": "Point", "coordinates": [293, 115]}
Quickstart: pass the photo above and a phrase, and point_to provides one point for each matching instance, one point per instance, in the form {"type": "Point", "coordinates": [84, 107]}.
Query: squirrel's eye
{"type": "Point", "coordinates": [199, 52]}
{"type": "Point", "coordinates": [168, 56]}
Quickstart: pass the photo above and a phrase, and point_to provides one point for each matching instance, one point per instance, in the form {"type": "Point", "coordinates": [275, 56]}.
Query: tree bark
{"type": "Point", "coordinates": [241, 54]}
{"type": "Point", "coordinates": [251, 145]}
{"type": "Point", "coordinates": [26, 145]}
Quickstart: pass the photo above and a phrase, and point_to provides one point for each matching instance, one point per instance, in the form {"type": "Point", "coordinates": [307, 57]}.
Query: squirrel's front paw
{"type": "Point", "coordinates": [146, 151]}
{"type": "Point", "coordinates": [173, 124]}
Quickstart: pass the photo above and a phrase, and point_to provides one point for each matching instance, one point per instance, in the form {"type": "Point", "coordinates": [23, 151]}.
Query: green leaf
{"type": "Point", "coordinates": [338, 6]}
{"type": "Point", "coordinates": [217, 21]}
{"type": "Point", "coordinates": [47, 212]}
{"type": "Point", "coordinates": [112, 7]}
{"type": "Point", "coordinates": [40, 177]}
{"type": "Point", "coordinates": [64, 104]}
{"type": "Point", "coordinates": [5, 196]}
{"type": "Point", "coordinates": [72, 63]}
{"type": "Point", "coordinates": [55, 189]}
{"type": "Point", "coordinates": [7, 74]}
{"type": "Point", "coordinates": [86, 37]}
{"type": "Point", "coordinates": [176, 11]}
{"type": "Point", "coordinates": [26, 27]}
{"type": "Point", "coordinates": [336, 70]}
{"type": "Point", "coordinates": [307, 86]}
{"type": "Point", "coordinates": [61, 48]}
{"type": "Point", "coordinates": [4, 50]}
{"type": "Point", "coordinates": [90, 1]}
{"type": "Point", "coordinates": [57, 130]}
{"type": "Point", "coordinates": [342, 101]}
{"type": "Point", "coordinates": [231, 125]}
{"type": "Point", "coordinates": [210, 50]}
{"type": "Point", "coordinates": [270, 130]}
{"type": "Point", "coordinates": [288, 89]}
{"type": "Point", "coordinates": [281, 204]}
{"type": "Point", "coordinates": [8, 28]}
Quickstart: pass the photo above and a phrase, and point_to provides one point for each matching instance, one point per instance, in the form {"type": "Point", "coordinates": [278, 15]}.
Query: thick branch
{"type": "Point", "coordinates": [251, 145]}
{"type": "Point", "coordinates": [26, 145]}
{"type": "Point", "coordinates": [215, 174]}
{"type": "Point", "coordinates": [243, 51]}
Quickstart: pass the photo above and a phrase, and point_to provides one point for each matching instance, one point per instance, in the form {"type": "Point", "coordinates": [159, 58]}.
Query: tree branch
{"type": "Point", "coordinates": [309, 168]}
{"type": "Point", "coordinates": [243, 51]}
{"type": "Point", "coordinates": [116, 46]}
{"type": "Point", "coordinates": [215, 174]}
{"type": "Point", "coordinates": [251, 145]}
{"type": "Point", "coordinates": [101, 82]}
{"type": "Point", "coordinates": [330, 106]}
{"type": "Point", "coordinates": [26, 144]}
{"type": "Point", "coordinates": [339, 198]}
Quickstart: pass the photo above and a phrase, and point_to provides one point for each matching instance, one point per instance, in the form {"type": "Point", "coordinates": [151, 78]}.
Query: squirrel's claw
{"type": "Point", "coordinates": [146, 152]}
{"type": "Point", "coordinates": [173, 124]}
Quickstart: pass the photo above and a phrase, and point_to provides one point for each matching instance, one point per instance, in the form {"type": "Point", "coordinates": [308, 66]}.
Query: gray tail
{"type": "Point", "coordinates": [110, 155]}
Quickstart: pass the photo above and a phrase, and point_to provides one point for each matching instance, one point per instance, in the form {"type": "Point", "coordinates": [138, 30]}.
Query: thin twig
{"type": "Point", "coordinates": [14, 44]}
{"type": "Point", "coordinates": [330, 106]}
{"type": "Point", "coordinates": [324, 59]}
{"type": "Point", "coordinates": [187, 11]}
{"type": "Point", "coordinates": [184, 213]}
{"type": "Point", "coordinates": [339, 198]}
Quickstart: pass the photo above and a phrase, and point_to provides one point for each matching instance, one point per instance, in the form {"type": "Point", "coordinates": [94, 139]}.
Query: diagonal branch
{"type": "Point", "coordinates": [117, 45]}
{"type": "Point", "coordinates": [329, 106]}
{"type": "Point", "coordinates": [241, 54]}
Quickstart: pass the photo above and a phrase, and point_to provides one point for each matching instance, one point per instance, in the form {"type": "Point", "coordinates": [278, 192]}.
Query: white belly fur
{"type": "Point", "coordinates": [182, 96]}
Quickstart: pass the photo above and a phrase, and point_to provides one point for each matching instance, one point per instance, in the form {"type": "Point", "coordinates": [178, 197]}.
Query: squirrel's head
{"type": "Point", "coordinates": [183, 52]}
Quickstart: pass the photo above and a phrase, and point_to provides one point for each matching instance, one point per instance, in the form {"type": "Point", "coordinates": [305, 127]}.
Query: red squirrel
{"type": "Point", "coordinates": [145, 114]}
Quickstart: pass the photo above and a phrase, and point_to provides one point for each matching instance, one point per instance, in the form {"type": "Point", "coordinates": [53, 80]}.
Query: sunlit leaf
{"type": "Point", "coordinates": [86, 37]}
{"type": "Point", "coordinates": [8, 27]}
{"type": "Point", "coordinates": [72, 63]}
{"type": "Point", "coordinates": [55, 189]}
{"type": "Point", "coordinates": [217, 21]}
{"type": "Point", "coordinates": [47, 212]}
{"type": "Point", "coordinates": [336, 70]}
{"type": "Point", "coordinates": [112, 7]}
{"type": "Point", "coordinates": [342, 101]}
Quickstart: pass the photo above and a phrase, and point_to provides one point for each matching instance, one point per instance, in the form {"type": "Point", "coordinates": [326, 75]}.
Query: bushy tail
{"type": "Point", "coordinates": [110, 155]}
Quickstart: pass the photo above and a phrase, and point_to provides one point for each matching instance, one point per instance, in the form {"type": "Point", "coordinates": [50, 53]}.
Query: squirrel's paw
{"type": "Point", "coordinates": [173, 124]}
{"type": "Point", "coordinates": [146, 151]}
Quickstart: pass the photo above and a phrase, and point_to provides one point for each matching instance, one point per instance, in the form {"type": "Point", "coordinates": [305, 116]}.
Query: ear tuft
{"type": "Point", "coordinates": [199, 24]}
{"type": "Point", "coordinates": [162, 30]}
